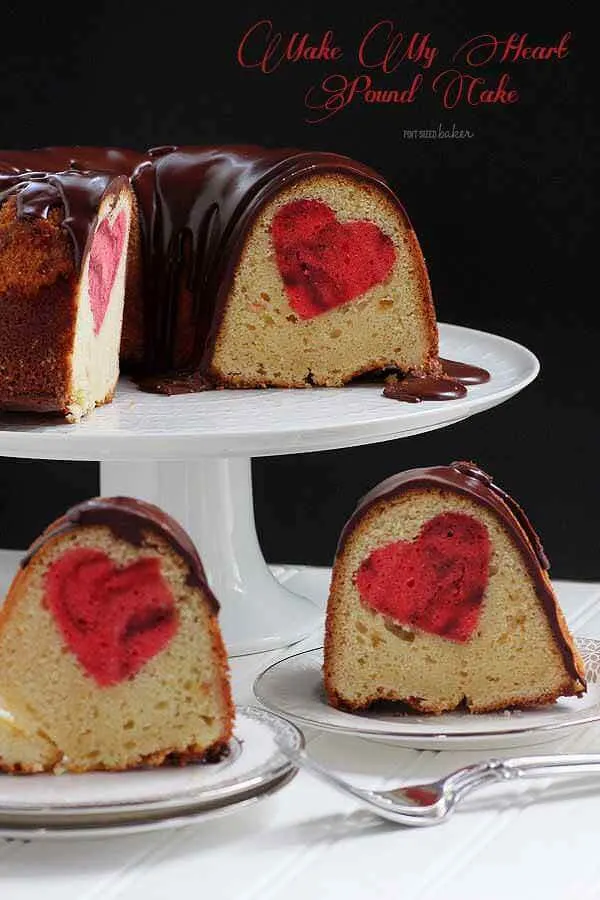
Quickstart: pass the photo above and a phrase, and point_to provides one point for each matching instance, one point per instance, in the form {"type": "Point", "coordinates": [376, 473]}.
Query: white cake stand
{"type": "Point", "coordinates": [191, 453]}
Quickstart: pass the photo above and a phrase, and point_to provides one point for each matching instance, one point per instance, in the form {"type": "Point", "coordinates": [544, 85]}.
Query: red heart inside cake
{"type": "Point", "coordinates": [325, 263]}
{"type": "Point", "coordinates": [435, 583]}
{"type": "Point", "coordinates": [105, 256]}
{"type": "Point", "coordinates": [113, 619]}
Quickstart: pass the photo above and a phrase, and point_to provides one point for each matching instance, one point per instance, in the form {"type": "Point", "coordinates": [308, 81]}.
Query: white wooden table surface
{"type": "Point", "coordinates": [534, 840]}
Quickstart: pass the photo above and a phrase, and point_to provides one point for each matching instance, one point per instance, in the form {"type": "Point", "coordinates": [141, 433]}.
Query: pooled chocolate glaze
{"type": "Point", "coordinates": [464, 373]}
{"type": "Point", "coordinates": [196, 206]}
{"type": "Point", "coordinates": [415, 388]}
{"type": "Point", "coordinates": [450, 385]}
{"type": "Point", "coordinates": [130, 521]}
{"type": "Point", "coordinates": [38, 191]}
{"type": "Point", "coordinates": [466, 478]}
{"type": "Point", "coordinates": [171, 385]}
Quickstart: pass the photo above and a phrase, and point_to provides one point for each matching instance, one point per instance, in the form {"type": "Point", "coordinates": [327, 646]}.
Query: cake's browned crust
{"type": "Point", "coordinates": [365, 517]}
{"type": "Point", "coordinates": [417, 704]}
{"type": "Point", "coordinates": [178, 758]}
{"type": "Point", "coordinates": [21, 769]}
{"type": "Point", "coordinates": [431, 365]}
{"type": "Point", "coordinates": [168, 757]}
{"type": "Point", "coordinates": [28, 768]}
{"type": "Point", "coordinates": [132, 335]}
{"type": "Point", "coordinates": [37, 284]}
{"type": "Point", "coordinates": [39, 281]}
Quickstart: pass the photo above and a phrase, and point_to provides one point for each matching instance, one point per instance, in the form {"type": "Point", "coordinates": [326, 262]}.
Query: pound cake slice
{"type": "Point", "coordinates": [64, 241]}
{"type": "Point", "coordinates": [110, 647]}
{"type": "Point", "coordinates": [440, 599]}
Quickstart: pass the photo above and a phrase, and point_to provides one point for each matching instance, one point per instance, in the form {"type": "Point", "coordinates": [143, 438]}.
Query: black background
{"type": "Point", "coordinates": [503, 219]}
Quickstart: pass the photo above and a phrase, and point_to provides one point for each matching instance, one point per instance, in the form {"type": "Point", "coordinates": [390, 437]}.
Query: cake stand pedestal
{"type": "Point", "coordinates": [191, 455]}
{"type": "Point", "coordinates": [212, 499]}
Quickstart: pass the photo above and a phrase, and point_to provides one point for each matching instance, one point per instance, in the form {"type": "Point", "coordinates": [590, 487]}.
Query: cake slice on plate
{"type": "Point", "coordinates": [110, 649]}
{"type": "Point", "coordinates": [440, 599]}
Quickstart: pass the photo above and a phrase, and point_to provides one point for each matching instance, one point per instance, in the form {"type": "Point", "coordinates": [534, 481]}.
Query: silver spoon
{"type": "Point", "coordinates": [433, 802]}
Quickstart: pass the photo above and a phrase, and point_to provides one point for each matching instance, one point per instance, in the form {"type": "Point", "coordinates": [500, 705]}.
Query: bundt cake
{"type": "Point", "coordinates": [261, 267]}
{"type": "Point", "coordinates": [110, 650]}
{"type": "Point", "coordinates": [64, 241]}
{"type": "Point", "coordinates": [440, 599]}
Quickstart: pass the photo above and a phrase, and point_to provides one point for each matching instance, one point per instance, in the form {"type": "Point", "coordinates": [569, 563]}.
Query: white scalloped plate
{"type": "Point", "coordinates": [102, 803]}
{"type": "Point", "coordinates": [293, 687]}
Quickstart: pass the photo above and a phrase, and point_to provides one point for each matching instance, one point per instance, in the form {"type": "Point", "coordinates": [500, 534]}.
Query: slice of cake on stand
{"type": "Point", "coordinates": [110, 651]}
{"type": "Point", "coordinates": [440, 600]}
{"type": "Point", "coordinates": [64, 241]}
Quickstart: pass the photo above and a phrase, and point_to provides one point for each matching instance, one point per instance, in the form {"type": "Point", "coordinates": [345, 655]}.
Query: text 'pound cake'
{"type": "Point", "coordinates": [440, 599]}
{"type": "Point", "coordinates": [64, 240]}
{"type": "Point", "coordinates": [259, 268]}
{"type": "Point", "coordinates": [110, 651]}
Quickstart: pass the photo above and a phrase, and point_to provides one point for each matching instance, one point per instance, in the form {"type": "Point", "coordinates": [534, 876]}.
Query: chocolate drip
{"type": "Point", "coordinates": [464, 372]}
{"type": "Point", "coordinates": [130, 520]}
{"type": "Point", "coordinates": [450, 385]}
{"type": "Point", "coordinates": [472, 471]}
{"type": "Point", "coordinates": [415, 388]}
{"type": "Point", "coordinates": [38, 192]}
{"type": "Point", "coordinates": [466, 478]}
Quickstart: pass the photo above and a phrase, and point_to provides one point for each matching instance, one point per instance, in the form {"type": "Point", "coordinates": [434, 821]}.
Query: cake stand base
{"type": "Point", "coordinates": [212, 499]}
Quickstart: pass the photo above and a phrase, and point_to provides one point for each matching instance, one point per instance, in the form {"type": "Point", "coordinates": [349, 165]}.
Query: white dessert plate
{"type": "Point", "coordinates": [108, 803]}
{"type": "Point", "coordinates": [293, 687]}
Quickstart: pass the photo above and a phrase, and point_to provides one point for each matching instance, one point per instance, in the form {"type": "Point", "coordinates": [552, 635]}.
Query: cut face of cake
{"type": "Point", "coordinates": [64, 241]}
{"type": "Point", "coordinates": [330, 284]}
{"type": "Point", "coordinates": [440, 599]}
{"type": "Point", "coordinates": [25, 752]}
{"type": "Point", "coordinates": [110, 649]}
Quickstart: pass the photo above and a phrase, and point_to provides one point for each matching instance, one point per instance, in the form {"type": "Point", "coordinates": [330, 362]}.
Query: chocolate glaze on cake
{"type": "Point", "coordinates": [130, 520]}
{"type": "Point", "coordinates": [468, 479]}
{"type": "Point", "coordinates": [42, 181]}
